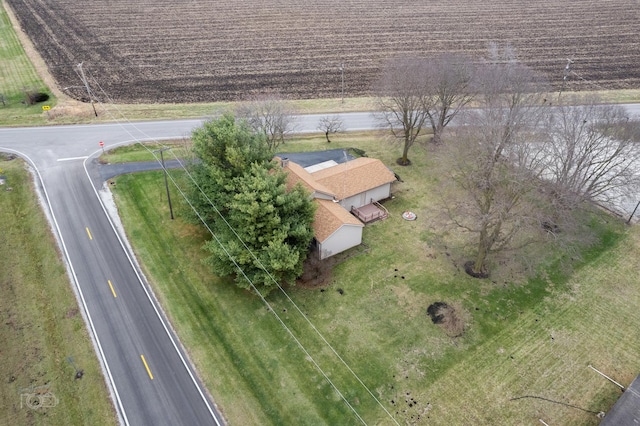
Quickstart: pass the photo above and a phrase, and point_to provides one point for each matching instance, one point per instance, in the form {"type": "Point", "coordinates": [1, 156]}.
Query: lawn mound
{"type": "Point", "coordinates": [447, 317]}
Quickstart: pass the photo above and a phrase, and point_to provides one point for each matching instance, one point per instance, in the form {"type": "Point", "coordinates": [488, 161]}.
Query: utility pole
{"type": "Point", "coordinates": [166, 182]}
{"type": "Point", "coordinates": [86, 85]}
{"type": "Point", "coordinates": [342, 80]}
{"type": "Point", "coordinates": [567, 72]}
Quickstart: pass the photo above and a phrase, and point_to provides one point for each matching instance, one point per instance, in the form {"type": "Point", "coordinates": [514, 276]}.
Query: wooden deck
{"type": "Point", "coordinates": [370, 212]}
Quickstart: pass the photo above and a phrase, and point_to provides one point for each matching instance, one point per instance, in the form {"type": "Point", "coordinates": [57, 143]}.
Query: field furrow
{"type": "Point", "coordinates": [167, 51]}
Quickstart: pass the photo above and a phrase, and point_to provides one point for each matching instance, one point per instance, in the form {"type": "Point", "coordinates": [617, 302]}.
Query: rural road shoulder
{"type": "Point", "coordinates": [143, 361]}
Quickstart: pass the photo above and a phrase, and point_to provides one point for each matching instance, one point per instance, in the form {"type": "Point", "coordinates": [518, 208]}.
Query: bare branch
{"type": "Point", "coordinates": [591, 154]}
{"type": "Point", "coordinates": [449, 88]}
{"type": "Point", "coordinates": [330, 124]}
{"type": "Point", "coordinates": [493, 159]}
{"type": "Point", "coordinates": [270, 115]}
{"type": "Point", "coordinates": [402, 101]}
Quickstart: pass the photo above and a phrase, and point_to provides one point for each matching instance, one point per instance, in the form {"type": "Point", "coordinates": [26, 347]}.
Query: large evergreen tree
{"type": "Point", "coordinates": [262, 229]}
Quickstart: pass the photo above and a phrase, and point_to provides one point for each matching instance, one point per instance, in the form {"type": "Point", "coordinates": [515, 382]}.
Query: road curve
{"type": "Point", "coordinates": [148, 373]}
{"type": "Point", "coordinates": [149, 377]}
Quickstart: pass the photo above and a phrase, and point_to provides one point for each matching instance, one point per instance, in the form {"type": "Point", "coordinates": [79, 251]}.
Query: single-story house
{"type": "Point", "coordinates": [339, 190]}
{"type": "Point", "coordinates": [358, 182]}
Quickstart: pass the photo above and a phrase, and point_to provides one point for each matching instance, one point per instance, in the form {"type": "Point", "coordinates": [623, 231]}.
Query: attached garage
{"type": "Point", "coordinates": [336, 230]}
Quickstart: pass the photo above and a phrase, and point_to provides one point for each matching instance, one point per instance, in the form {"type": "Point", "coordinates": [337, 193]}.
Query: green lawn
{"type": "Point", "coordinates": [523, 337]}
{"type": "Point", "coordinates": [133, 153]}
{"type": "Point", "coordinates": [43, 340]}
{"type": "Point", "coordinates": [17, 75]}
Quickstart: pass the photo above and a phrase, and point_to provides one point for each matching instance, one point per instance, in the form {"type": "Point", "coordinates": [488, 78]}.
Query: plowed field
{"type": "Point", "coordinates": [207, 50]}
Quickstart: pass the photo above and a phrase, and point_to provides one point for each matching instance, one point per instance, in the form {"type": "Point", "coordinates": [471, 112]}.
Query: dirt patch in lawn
{"type": "Point", "coordinates": [316, 273]}
{"type": "Point", "coordinates": [451, 318]}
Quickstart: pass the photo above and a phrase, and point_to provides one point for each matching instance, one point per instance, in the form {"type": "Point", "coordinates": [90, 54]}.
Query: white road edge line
{"type": "Point", "coordinates": [78, 292]}
{"type": "Point", "coordinates": [151, 300]}
{"type": "Point", "coordinates": [72, 158]}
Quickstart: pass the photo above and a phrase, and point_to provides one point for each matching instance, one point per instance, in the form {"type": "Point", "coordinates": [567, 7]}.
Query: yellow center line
{"type": "Point", "coordinates": [89, 233]}
{"type": "Point", "coordinates": [146, 366]}
{"type": "Point", "coordinates": [112, 290]}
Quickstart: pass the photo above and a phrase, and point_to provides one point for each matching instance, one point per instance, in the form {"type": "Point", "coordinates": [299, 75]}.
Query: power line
{"type": "Point", "coordinates": [86, 85]}
{"type": "Point", "coordinates": [271, 277]}
{"type": "Point", "coordinates": [263, 267]}
{"type": "Point", "coordinates": [267, 303]}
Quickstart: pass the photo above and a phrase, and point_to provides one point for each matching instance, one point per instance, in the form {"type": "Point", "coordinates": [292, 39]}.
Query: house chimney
{"type": "Point", "coordinates": [284, 162]}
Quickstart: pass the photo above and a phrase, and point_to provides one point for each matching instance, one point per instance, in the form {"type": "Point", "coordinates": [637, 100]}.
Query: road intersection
{"type": "Point", "coordinates": [149, 375]}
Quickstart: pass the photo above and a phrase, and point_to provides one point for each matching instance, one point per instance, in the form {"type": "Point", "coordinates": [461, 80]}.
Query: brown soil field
{"type": "Point", "coordinates": [199, 50]}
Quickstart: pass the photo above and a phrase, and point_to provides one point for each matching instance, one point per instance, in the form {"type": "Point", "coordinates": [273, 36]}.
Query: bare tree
{"type": "Point", "coordinates": [270, 115]}
{"type": "Point", "coordinates": [591, 154]}
{"type": "Point", "coordinates": [402, 101]}
{"type": "Point", "coordinates": [449, 85]}
{"type": "Point", "coordinates": [493, 162]}
{"type": "Point", "coordinates": [330, 124]}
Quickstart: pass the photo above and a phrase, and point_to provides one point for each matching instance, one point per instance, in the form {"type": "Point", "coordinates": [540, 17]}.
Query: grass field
{"type": "Point", "coordinates": [525, 350]}
{"type": "Point", "coordinates": [17, 75]}
{"type": "Point", "coordinates": [43, 340]}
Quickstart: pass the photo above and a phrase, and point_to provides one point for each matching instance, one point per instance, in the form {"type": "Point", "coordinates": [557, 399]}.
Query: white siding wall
{"type": "Point", "coordinates": [356, 200]}
{"type": "Point", "coordinates": [359, 200]}
{"type": "Point", "coordinates": [379, 193]}
{"type": "Point", "coordinates": [344, 238]}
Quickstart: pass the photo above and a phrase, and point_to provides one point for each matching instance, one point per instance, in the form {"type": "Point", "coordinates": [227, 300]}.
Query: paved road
{"type": "Point", "coordinates": [123, 316]}
{"type": "Point", "coordinates": [130, 333]}
{"type": "Point", "coordinates": [150, 379]}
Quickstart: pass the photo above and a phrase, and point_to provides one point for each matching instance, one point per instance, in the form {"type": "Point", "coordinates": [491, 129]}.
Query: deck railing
{"type": "Point", "coordinates": [380, 213]}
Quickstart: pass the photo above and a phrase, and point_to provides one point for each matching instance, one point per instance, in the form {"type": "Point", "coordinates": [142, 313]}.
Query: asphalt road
{"type": "Point", "coordinates": [149, 376]}
{"type": "Point", "coordinates": [150, 379]}
{"type": "Point", "coordinates": [159, 389]}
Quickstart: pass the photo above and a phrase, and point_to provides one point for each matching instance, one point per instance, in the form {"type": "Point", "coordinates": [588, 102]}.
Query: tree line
{"type": "Point", "coordinates": [520, 157]}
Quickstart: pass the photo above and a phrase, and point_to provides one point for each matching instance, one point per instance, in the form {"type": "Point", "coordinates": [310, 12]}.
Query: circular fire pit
{"type": "Point", "coordinates": [409, 215]}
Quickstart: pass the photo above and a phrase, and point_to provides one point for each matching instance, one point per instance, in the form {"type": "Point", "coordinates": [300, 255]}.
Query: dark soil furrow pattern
{"type": "Point", "coordinates": [205, 50]}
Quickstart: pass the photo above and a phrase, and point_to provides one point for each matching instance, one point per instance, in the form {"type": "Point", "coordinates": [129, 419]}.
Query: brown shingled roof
{"type": "Point", "coordinates": [338, 182]}
{"type": "Point", "coordinates": [354, 177]}
{"type": "Point", "coordinates": [329, 218]}
{"type": "Point", "coordinates": [296, 173]}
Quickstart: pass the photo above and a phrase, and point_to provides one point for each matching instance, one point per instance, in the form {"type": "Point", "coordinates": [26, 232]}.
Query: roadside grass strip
{"type": "Point", "coordinates": [49, 371]}
{"type": "Point", "coordinates": [17, 77]}
{"type": "Point", "coordinates": [523, 354]}
{"type": "Point", "coordinates": [16, 71]}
